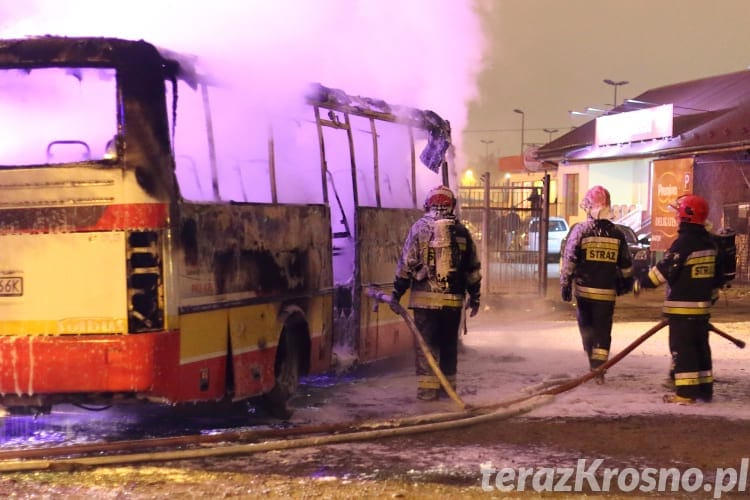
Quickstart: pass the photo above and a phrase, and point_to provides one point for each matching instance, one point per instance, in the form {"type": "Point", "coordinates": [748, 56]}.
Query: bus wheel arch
{"type": "Point", "coordinates": [292, 360]}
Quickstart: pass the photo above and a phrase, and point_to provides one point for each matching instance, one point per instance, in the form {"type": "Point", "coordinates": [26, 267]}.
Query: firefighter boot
{"type": "Point", "coordinates": [681, 400]}
{"type": "Point", "coordinates": [598, 357]}
{"type": "Point", "coordinates": [594, 367]}
{"type": "Point", "coordinates": [442, 393]}
{"type": "Point", "coordinates": [427, 394]}
{"type": "Point", "coordinates": [427, 387]}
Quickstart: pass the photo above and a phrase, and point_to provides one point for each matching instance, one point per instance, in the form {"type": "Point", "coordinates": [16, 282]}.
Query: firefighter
{"type": "Point", "coordinates": [597, 261]}
{"type": "Point", "coordinates": [439, 263]}
{"type": "Point", "coordinates": [694, 268]}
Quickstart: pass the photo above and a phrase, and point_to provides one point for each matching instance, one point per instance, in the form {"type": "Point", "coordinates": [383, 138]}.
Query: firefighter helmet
{"type": "Point", "coordinates": [691, 208]}
{"type": "Point", "coordinates": [440, 198]}
{"type": "Point", "coordinates": [596, 200]}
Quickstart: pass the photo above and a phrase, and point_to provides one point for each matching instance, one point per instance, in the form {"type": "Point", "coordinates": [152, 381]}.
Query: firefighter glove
{"type": "Point", "coordinates": [400, 285]}
{"type": "Point", "coordinates": [394, 302]}
{"type": "Point", "coordinates": [473, 306]}
{"type": "Point", "coordinates": [566, 292]}
{"type": "Point", "coordinates": [623, 285]}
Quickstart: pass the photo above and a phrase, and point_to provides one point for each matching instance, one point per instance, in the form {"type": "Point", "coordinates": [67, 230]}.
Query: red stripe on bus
{"type": "Point", "coordinates": [83, 218]}
{"type": "Point", "coordinates": [131, 216]}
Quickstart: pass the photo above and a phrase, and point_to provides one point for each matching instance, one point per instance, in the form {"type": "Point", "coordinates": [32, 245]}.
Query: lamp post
{"type": "Point", "coordinates": [523, 126]}
{"type": "Point", "coordinates": [550, 131]}
{"type": "Point", "coordinates": [487, 162]}
{"type": "Point", "coordinates": [615, 85]}
{"type": "Point", "coordinates": [486, 146]}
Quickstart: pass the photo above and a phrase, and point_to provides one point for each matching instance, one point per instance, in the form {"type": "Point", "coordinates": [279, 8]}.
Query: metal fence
{"type": "Point", "coordinates": [513, 259]}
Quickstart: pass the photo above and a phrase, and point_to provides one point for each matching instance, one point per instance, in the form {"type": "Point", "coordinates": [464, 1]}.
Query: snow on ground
{"type": "Point", "coordinates": [510, 357]}
{"type": "Point", "coordinates": [501, 360]}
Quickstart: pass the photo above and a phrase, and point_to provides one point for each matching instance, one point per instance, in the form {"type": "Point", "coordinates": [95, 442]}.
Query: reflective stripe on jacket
{"type": "Point", "coordinates": [423, 299]}
{"type": "Point", "coordinates": [689, 267]}
{"type": "Point", "coordinates": [594, 253]}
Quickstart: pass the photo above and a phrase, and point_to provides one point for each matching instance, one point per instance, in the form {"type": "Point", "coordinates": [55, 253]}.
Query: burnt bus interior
{"type": "Point", "coordinates": [118, 105]}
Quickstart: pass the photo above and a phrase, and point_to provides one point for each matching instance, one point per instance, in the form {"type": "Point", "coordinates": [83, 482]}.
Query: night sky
{"type": "Point", "coordinates": [548, 57]}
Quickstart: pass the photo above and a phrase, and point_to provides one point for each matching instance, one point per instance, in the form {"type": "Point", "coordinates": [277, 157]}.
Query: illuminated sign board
{"type": "Point", "coordinates": [672, 179]}
{"type": "Point", "coordinates": [650, 123]}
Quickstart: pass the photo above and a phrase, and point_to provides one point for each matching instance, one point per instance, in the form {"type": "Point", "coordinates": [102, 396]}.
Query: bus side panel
{"type": "Point", "coordinates": [244, 251]}
{"type": "Point", "coordinates": [320, 320]}
{"type": "Point", "coordinates": [297, 271]}
{"type": "Point", "coordinates": [202, 356]}
{"type": "Point", "coordinates": [254, 332]}
{"type": "Point", "coordinates": [381, 234]}
{"type": "Point", "coordinates": [251, 261]}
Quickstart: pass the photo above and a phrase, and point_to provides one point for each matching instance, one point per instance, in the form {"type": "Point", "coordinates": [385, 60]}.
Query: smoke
{"type": "Point", "coordinates": [418, 53]}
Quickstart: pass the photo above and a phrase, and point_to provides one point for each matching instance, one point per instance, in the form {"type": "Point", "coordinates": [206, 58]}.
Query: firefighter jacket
{"type": "Point", "coordinates": [439, 262]}
{"type": "Point", "coordinates": [597, 259]}
{"type": "Point", "coordinates": [692, 268]}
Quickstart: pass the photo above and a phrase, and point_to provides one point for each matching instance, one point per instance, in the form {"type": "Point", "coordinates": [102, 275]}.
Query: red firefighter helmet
{"type": "Point", "coordinates": [691, 208]}
{"type": "Point", "coordinates": [440, 197]}
{"type": "Point", "coordinates": [595, 200]}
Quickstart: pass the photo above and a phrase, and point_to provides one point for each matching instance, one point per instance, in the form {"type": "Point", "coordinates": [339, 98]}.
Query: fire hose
{"type": "Point", "coordinates": [555, 389]}
{"type": "Point", "coordinates": [462, 419]}
{"type": "Point", "coordinates": [738, 342]}
{"type": "Point", "coordinates": [399, 309]}
{"type": "Point", "coordinates": [561, 387]}
{"type": "Point", "coordinates": [348, 432]}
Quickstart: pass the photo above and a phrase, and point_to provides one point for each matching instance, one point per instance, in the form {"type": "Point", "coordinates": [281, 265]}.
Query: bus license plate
{"type": "Point", "coordinates": [11, 286]}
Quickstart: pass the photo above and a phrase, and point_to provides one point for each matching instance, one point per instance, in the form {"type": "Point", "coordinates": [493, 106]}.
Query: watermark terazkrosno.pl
{"type": "Point", "coordinates": [591, 475]}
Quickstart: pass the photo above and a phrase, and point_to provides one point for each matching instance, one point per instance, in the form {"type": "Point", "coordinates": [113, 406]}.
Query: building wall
{"type": "Point", "coordinates": [722, 183]}
{"type": "Point", "coordinates": [725, 183]}
{"type": "Point", "coordinates": [583, 181]}
{"type": "Point", "coordinates": [628, 183]}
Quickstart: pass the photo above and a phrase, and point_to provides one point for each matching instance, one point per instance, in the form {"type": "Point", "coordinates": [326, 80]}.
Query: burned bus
{"type": "Point", "coordinates": [166, 239]}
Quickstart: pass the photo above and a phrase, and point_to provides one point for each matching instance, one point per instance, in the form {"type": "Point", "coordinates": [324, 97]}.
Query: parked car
{"type": "Point", "coordinates": [558, 228]}
{"type": "Point", "coordinates": [640, 250]}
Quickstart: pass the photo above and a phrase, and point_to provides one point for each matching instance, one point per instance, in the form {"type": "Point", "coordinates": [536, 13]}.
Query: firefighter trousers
{"type": "Point", "coordinates": [595, 325]}
{"type": "Point", "coordinates": [439, 328]}
{"type": "Point", "coordinates": [691, 357]}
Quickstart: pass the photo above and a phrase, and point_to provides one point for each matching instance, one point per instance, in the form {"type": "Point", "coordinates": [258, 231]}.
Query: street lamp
{"type": "Point", "coordinates": [486, 146]}
{"type": "Point", "coordinates": [615, 85]}
{"type": "Point", "coordinates": [550, 131]}
{"type": "Point", "coordinates": [523, 126]}
{"type": "Point", "coordinates": [487, 159]}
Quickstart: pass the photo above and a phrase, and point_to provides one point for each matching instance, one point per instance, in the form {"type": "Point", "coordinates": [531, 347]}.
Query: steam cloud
{"type": "Point", "coordinates": [418, 53]}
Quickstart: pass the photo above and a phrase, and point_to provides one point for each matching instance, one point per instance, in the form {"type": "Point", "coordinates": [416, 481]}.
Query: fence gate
{"type": "Point", "coordinates": [499, 219]}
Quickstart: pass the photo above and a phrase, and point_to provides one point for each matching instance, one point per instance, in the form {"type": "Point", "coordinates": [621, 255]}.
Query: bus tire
{"type": "Point", "coordinates": [286, 373]}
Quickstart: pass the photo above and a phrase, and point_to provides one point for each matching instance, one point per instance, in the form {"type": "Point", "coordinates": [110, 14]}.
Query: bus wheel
{"type": "Point", "coordinates": [287, 374]}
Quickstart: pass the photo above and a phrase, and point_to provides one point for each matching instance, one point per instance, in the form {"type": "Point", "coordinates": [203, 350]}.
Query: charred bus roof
{"type": "Point", "coordinates": [439, 130]}
{"type": "Point", "coordinates": [57, 51]}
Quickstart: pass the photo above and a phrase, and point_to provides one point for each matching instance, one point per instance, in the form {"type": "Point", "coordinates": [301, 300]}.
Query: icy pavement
{"type": "Point", "coordinates": [510, 358]}
{"type": "Point", "coordinates": [501, 359]}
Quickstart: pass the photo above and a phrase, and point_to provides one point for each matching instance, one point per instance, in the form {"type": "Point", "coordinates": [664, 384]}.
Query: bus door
{"type": "Point", "coordinates": [390, 181]}
{"type": "Point", "coordinates": [338, 163]}
{"type": "Point", "coordinates": [373, 184]}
